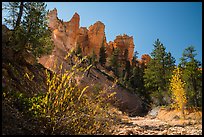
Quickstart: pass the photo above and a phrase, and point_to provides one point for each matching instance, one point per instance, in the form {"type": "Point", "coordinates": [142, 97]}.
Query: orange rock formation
{"type": "Point", "coordinates": [67, 35]}
{"type": "Point", "coordinates": [145, 59]}
{"type": "Point", "coordinates": [122, 42]}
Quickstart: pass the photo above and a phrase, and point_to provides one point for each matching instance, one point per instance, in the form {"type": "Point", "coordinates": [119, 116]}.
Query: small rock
{"type": "Point", "coordinates": [183, 132]}
{"type": "Point", "coordinates": [129, 132]}
{"type": "Point", "coordinates": [176, 117]}
{"type": "Point", "coordinates": [164, 132]}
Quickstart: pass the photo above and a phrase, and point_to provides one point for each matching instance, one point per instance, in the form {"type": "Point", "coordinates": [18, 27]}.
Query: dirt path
{"type": "Point", "coordinates": [154, 126]}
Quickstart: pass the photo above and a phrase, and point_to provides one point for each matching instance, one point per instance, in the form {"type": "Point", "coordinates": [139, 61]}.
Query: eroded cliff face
{"type": "Point", "coordinates": [82, 40]}
{"type": "Point", "coordinates": [90, 40]}
{"type": "Point", "coordinates": [96, 37]}
{"type": "Point", "coordinates": [64, 35]}
{"type": "Point", "coordinates": [122, 42]}
{"type": "Point", "coordinates": [69, 35]}
{"type": "Point", "coordinates": [145, 58]}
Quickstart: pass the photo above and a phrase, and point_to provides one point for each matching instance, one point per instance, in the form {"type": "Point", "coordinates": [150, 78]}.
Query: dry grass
{"type": "Point", "coordinates": [174, 117]}
{"type": "Point", "coordinates": [71, 109]}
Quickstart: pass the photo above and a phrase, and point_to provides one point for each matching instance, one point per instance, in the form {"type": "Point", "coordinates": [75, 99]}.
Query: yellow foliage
{"type": "Point", "coordinates": [177, 89]}
{"type": "Point", "coordinates": [73, 109]}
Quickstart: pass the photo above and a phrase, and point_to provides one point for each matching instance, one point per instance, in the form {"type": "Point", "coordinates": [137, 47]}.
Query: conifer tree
{"type": "Point", "coordinates": [192, 75]}
{"type": "Point", "coordinates": [102, 55]}
{"type": "Point", "coordinates": [134, 59]}
{"type": "Point", "coordinates": [94, 59]}
{"type": "Point", "coordinates": [14, 12]}
{"type": "Point", "coordinates": [127, 65]}
{"type": "Point", "coordinates": [126, 55]}
{"type": "Point", "coordinates": [78, 51]}
{"type": "Point", "coordinates": [114, 62]}
{"type": "Point", "coordinates": [29, 23]}
{"type": "Point", "coordinates": [157, 74]}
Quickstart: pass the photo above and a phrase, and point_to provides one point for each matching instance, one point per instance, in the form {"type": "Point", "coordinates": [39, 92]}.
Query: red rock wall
{"type": "Point", "coordinates": [122, 42]}
{"type": "Point", "coordinates": [145, 58]}
{"type": "Point", "coordinates": [67, 35]}
{"type": "Point", "coordinates": [96, 37]}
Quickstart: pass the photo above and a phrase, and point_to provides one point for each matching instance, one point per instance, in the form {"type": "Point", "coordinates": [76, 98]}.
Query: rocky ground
{"type": "Point", "coordinates": [150, 125]}
{"type": "Point", "coordinates": [157, 124]}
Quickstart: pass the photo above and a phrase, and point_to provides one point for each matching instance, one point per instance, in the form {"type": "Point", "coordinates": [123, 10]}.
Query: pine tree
{"type": "Point", "coordinates": [126, 55]}
{"type": "Point", "coordinates": [136, 77]}
{"type": "Point", "coordinates": [127, 65]}
{"type": "Point", "coordinates": [94, 59]}
{"type": "Point", "coordinates": [134, 59]}
{"type": "Point", "coordinates": [136, 80]}
{"type": "Point", "coordinates": [114, 62]}
{"type": "Point", "coordinates": [127, 69]}
{"type": "Point", "coordinates": [177, 89]}
{"type": "Point", "coordinates": [78, 51]}
{"type": "Point", "coordinates": [157, 74]}
{"type": "Point", "coordinates": [30, 32]}
{"type": "Point", "coordinates": [35, 23]}
{"type": "Point", "coordinates": [14, 11]}
{"type": "Point", "coordinates": [192, 76]}
{"type": "Point", "coordinates": [102, 55]}
{"type": "Point", "coordinates": [169, 64]}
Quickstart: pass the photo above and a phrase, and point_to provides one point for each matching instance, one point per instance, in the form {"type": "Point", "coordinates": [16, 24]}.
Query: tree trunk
{"type": "Point", "coordinates": [182, 110]}
{"type": "Point", "coordinates": [20, 14]}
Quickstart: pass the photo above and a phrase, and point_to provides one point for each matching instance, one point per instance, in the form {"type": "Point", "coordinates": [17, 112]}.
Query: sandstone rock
{"type": "Point", "coordinates": [145, 58]}
{"type": "Point", "coordinates": [53, 20]}
{"type": "Point", "coordinates": [82, 40]}
{"type": "Point", "coordinates": [154, 112]}
{"type": "Point", "coordinates": [129, 103]}
{"type": "Point", "coordinates": [72, 28]}
{"type": "Point", "coordinates": [122, 42]}
{"type": "Point", "coordinates": [109, 48]}
{"type": "Point", "coordinates": [64, 35]}
{"type": "Point", "coordinates": [96, 37]}
{"type": "Point", "coordinates": [67, 35]}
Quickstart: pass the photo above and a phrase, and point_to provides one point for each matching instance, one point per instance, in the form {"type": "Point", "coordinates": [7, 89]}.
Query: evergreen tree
{"type": "Point", "coordinates": [78, 51]}
{"type": "Point", "coordinates": [135, 71]}
{"type": "Point", "coordinates": [127, 65]}
{"type": "Point", "coordinates": [30, 33]}
{"type": "Point", "coordinates": [102, 55]}
{"type": "Point", "coordinates": [157, 73]}
{"type": "Point", "coordinates": [169, 64]}
{"type": "Point", "coordinates": [114, 62]}
{"type": "Point", "coordinates": [192, 75]}
{"type": "Point", "coordinates": [14, 12]}
{"type": "Point", "coordinates": [35, 24]}
{"type": "Point", "coordinates": [126, 55]}
{"type": "Point", "coordinates": [137, 80]}
{"type": "Point", "coordinates": [134, 59]}
{"type": "Point", "coordinates": [94, 59]}
{"type": "Point", "coordinates": [127, 69]}
{"type": "Point", "coordinates": [20, 14]}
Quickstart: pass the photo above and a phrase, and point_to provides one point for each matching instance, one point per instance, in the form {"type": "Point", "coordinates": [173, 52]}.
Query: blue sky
{"type": "Point", "coordinates": [176, 24]}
